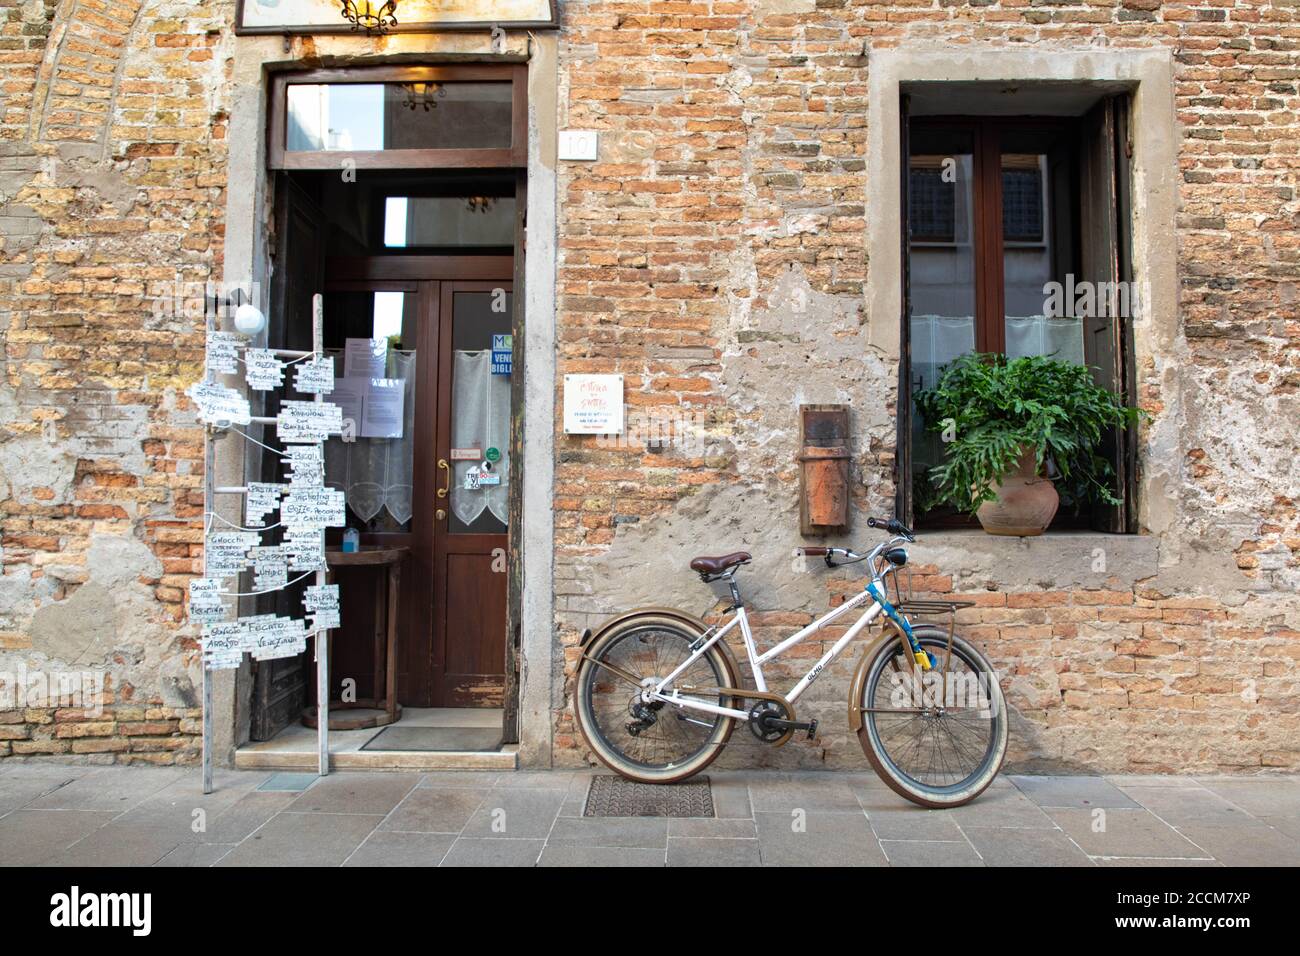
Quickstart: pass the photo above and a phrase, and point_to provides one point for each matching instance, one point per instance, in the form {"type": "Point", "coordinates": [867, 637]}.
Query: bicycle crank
{"type": "Point", "coordinates": [771, 720]}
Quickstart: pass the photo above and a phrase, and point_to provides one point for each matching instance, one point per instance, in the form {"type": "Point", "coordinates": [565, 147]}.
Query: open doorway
{"type": "Point", "coordinates": [418, 269]}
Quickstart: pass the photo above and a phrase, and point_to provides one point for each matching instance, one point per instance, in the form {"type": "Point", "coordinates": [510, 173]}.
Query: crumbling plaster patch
{"type": "Point", "coordinates": [110, 622]}
{"type": "Point", "coordinates": [802, 347]}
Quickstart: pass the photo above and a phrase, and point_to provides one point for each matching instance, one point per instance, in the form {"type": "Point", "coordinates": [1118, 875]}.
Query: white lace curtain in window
{"type": "Point", "coordinates": [1038, 335]}
{"type": "Point", "coordinates": [376, 473]}
{"type": "Point", "coordinates": [480, 418]}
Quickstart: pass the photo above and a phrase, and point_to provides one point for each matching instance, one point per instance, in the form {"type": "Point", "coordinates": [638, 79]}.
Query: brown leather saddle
{"type": "Point", "coordinates": [717, 565]}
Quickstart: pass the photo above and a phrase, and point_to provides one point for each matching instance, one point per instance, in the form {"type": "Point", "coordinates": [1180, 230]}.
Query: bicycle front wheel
{"type": "Point", "coordinates": [652, 742]}
{"type": "Point", "coordinates": [937, 737]}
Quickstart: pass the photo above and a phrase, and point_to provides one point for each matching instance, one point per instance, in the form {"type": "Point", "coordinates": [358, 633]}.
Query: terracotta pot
{"type": "Point", "coordinates": [1025, 503]}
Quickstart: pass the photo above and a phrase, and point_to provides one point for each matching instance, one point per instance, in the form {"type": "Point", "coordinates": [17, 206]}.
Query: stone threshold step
{"type": "Point", "coordinates": [505, 759]}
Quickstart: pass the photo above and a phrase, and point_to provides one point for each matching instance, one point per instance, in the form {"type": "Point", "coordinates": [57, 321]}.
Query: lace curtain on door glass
{"type": "Point", "coordinates": [480, 418]}
{"type": "Point", "coordinates": [376, 473]}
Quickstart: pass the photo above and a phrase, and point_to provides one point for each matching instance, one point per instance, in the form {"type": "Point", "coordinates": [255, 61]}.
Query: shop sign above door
{"type": "Point", "coordinates": [405, 16]}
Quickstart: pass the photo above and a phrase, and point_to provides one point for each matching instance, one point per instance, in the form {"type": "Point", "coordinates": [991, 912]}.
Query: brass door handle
{"type": "Point", "coordinates": [440, 514]}
{"type": "Point", "coordinates": [442, 463]}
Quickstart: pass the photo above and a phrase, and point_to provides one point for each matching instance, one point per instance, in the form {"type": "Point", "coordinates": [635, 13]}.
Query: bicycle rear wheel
{"type": "Point", "coordinates": [938, 742]}
{"type": "Point", "coordinates": [652, 742]}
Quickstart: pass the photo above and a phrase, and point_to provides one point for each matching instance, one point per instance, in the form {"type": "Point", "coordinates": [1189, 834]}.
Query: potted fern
{"type": "Point", "coordinates": [1020, 435]}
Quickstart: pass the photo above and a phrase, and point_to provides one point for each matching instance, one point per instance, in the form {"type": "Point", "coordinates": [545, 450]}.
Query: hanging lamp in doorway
{"type": "Point", "coordinates": [373, 16]}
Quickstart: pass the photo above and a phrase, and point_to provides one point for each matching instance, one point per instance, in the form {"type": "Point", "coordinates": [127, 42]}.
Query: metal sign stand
{"type": "Point", "coordinates": [322, 576]}
{"type": "Point", "coordinates": [210, 491]}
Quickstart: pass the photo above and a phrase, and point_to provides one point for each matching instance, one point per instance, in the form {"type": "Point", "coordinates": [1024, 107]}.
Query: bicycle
{"type": "Point", "coordinates": [658, 694]}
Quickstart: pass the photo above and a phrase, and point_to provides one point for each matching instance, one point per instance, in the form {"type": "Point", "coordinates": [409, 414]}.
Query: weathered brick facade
{"type": "Point", "coordinates": [112, 155]}
{"type": "Point", "coordinates": [715, 256]}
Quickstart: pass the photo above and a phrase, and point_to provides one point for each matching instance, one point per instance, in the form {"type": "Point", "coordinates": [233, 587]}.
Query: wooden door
{"type": "Point", "coordinates": [470, 541]}
{"type": "Point", "coordinates": [452, 631]}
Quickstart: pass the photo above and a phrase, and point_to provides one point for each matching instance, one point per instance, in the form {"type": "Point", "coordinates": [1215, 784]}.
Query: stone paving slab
{"type": "Point", "coordinates": [53, 815]}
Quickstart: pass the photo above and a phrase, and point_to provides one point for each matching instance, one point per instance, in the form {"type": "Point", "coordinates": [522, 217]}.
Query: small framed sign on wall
{"type": "Point", "coordinates": [593, 404]}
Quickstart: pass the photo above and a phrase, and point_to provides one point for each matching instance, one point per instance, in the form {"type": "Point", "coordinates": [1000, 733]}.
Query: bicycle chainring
{"type": "Point", "coordinates": [764, 709]}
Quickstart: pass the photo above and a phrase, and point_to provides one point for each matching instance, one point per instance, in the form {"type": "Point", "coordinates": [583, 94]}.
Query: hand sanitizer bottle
{"type": "Point", "coordinates": [351, 540]}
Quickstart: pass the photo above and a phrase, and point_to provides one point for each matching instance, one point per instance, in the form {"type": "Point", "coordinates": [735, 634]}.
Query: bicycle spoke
{"type": "Point", "coordinates": [942, 745]}
{"type": "Point", "coordinates": [650, 734]}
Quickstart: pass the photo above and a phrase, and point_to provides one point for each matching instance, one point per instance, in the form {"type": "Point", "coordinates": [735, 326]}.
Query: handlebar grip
{"type": "Point", "coordinates": [892, 525]}
{"type": "Point", "coordinates": [814, 552]}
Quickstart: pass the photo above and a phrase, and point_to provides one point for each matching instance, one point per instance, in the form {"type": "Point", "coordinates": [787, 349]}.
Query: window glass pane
{"type": "Point", "coordinates": [376, 116]}
{"type": "Point", "coordinates": [942, 263]}
{"type": "Point", "coordinates": [374, 472]}
{"type": "Point", "coordinates": [449, 221]}
{"type": "Point", "coordinates": [480, 411]}
{"type": "Point", "coordinates": [1038, 246]}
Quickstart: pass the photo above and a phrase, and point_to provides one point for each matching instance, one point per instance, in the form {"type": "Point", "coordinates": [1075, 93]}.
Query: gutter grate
{"type": "Point", "coordinates": [610, 796]}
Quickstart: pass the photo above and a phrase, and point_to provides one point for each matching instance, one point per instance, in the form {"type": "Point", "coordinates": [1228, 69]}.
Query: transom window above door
{"type": "Point", "coordinates": [400, 118]}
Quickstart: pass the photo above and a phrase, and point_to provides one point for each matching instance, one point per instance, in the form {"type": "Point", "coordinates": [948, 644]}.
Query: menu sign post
{"type": "Point", "coordinates": [306, 508]}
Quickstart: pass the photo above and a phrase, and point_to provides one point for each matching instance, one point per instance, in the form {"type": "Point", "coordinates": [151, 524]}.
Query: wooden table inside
{"type": "Point", "coordinates": [391, 559]}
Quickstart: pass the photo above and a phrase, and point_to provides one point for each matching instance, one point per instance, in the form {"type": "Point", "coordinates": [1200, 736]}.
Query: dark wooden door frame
{"type": "Point", "coordinates": [427, 276]}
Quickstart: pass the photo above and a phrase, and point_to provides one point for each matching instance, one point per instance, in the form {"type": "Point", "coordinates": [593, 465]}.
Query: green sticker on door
{"type": "Point", "coordinates": [493, 454]}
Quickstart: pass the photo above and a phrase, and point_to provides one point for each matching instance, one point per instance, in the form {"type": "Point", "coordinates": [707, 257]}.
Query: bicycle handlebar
{"type": "Point", "coordinates": [893, 526]}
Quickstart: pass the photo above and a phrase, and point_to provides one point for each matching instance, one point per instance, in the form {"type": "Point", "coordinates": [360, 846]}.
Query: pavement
{"type": "Point", "coordinates": [58, 815]}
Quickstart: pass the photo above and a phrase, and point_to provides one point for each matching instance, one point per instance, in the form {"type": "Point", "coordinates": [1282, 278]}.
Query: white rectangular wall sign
{"type": "Point", "coordinates": [579, 144]}
{"type": "Point", "coordinates": [593, 404]}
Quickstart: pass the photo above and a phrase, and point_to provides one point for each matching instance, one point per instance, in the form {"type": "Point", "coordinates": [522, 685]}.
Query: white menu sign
{"type": "Point", "coordinates": [308, 422]}
{"type": "Point", "coordinates": [315, 375]}
{"type": "Point", "coordinates": [263, 370]}
{"type": "Point", "coordinates": [314, 508]}
{"type": "Point", "coordinates": [223, 352]}
{"type": "Point", "coordinates": [322, 602]}
{"type": "Point", "coordinates": [219, 405]}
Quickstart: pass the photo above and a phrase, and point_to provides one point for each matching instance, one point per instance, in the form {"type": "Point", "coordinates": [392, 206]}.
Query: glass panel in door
{"type": "Point", "coordinates": [374, 383]}
{"type": "Point", "coordinates": [482, 361]}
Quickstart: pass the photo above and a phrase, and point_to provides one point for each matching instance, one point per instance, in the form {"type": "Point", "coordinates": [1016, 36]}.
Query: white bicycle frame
{"type": "Point", "coordinates": [756, 660]}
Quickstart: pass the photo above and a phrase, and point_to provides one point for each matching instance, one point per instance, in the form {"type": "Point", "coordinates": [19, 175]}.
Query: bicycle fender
{"type": "Point", "coordinates": [860, 674]}
{"type": "Point", "coordinates": [689, 620]}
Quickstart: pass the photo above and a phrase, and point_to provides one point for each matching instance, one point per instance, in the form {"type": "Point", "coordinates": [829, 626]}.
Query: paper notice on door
{"type": "Point", "coordinates": [365, 358]}
{"type": "Point", "coordinates": [348, 395]}
{"type": "Point", "coordinates": [381, 409]}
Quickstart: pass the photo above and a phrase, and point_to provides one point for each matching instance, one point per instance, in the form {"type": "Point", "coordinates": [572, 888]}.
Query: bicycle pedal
{"type": "Point", "coordinates": [812, 729]}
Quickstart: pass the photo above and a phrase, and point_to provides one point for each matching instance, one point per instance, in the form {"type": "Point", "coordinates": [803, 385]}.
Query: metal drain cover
{"type": "Point", "coordinates": [610, 796]}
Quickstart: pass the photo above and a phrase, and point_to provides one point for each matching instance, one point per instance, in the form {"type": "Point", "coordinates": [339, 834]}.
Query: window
{"type": "Point", "coordinates": [400, 117]}
{"type": "Point", "coordinates": [1001, 211]}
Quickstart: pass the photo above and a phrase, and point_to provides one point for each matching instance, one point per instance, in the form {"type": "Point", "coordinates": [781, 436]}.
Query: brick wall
{"type": "Point", "coordinates": [714, 256]}
{"type": "Point", "coordinates": [112, 188]}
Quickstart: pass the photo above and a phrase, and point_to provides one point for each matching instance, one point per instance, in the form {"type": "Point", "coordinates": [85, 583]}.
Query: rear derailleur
{"type": "Point", "coordinates": [644, 716]}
